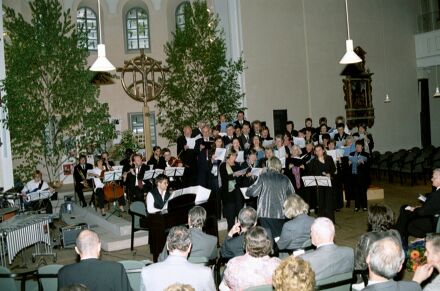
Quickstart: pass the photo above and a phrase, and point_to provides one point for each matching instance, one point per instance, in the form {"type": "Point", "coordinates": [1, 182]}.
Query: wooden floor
{"type": "Point", "coordinates": [349, 226]}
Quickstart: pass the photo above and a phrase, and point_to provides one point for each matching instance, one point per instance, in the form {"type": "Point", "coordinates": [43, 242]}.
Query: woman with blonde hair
{"type": "Point", "coordinates": [294, 274]}
{"type": "Point", "coordinates": [296, 231]}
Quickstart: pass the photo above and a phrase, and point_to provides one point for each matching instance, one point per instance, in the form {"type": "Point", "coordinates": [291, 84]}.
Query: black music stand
{"type": "Point", "coordinates": [109, 177]}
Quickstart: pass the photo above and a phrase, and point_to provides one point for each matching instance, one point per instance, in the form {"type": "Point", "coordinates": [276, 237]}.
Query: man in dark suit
{"type": "Point", "coordinates": [384, 260]}
{"type": "Point", "coordinates": [81, 179]}
{"type": "Point", "coordinates": [230, 134]}
{"type": "Point", "coordinates": [241, 120]}
{"type": "Point", "coordinates": [328, 259]}
{"type": "Point", "coordinates": [233, 245]}
{"type": "Point", "coordinates": [90, 271]}
{"type": "Point", "coordinates": [203, 245]}
{"type": "Point", "coordinates": [188, 157]}
{"type": "Point", "coordinates": [202, 149]}
{"type": "Point", "coordinates": [134, 182]}
{"type": "Point", "coordinates": [245, 138]}
{"type": "Point", "coordinates": [420, 220]}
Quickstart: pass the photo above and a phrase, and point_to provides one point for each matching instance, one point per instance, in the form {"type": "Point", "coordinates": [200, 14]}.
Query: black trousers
{"type": "Point", "coordinates": [359, 187]}
{"type": "Point", "coordinates": [232, 206]}
{"type": "Point", "coordinates": [409, 223]}
{"type": "Point", "coordinates": [79, 191]}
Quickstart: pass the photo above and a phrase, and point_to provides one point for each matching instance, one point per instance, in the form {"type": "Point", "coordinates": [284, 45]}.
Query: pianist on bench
{"type": "Point", "coordinates": [34, 186]}
{"type": "Point", "coordinates": [158, 197]}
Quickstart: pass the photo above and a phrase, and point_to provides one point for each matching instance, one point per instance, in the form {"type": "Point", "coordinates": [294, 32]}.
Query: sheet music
{"type": "Point", "coordinates": [202, 193]}
{"type": "Point", "coordinates": [256, 171]}
{"type": "Point", "coordinates": [323, 181]}
{"type": "Point", "coordinates": [174, 171]}
{"type": "Point", "coordinates": [243, 192]}
{"type": "Point", "coordinates": [422, 198]}
{"type": "Point", "coordinates": [220, 154]}
{"type": "Point", "coordinates": [335, 154]}
{"type": "Point", "coordinates": [150, 174]}
{"type": "Point", "coordinates": [110, 176]}
{"type": "Point", "coordinates": [191, 141]}
{"type": "Point", "coordinates": [240, 157]}
{"type": "Point", "coordinates": [280, 153]}
{"type": "Point", "coordinates": [222, 134]}
{"type": "Point", "coordinates": [299, 141]}
{"type": "Point", "coordinates": [267, 143]}
{"type": "Point", "coordinates": [320, 138]}
{"type": "Point", "coordinates": [240, 172]}
{"type": "Point", "coordinates": [90, 159]}
{"type": "Point", "coordinates": [117, 168]}
{"type": "Point", "coordinates": [309, 181]}
{"type": "Point", "coordinates": [340, 144]}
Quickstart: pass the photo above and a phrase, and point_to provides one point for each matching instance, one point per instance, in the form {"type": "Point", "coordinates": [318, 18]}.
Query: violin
{"type": "Point", "coordinates": [175, 162]}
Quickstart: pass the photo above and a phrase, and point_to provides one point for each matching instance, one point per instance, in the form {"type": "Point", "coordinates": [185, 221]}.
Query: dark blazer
{"type": "Point", "coordinates": [244, 140]}
{"type": "Point", "coordinates": [97, 275]}
{"type": "Point", "coordinates": [233, 247]}
{"type": "Point", "coordinates": [78, 169]}
{"type": "Point", "coordinates": [392, 285]}
{"type": "Point", "coordinates": [225, 178]}
{"type": "Point", "coordinates": [431, 205]}
{"type": "Point", "coordinates": [131, 179]}
{"type": "Point", "coordinates": [237, 123]}
{"type": "Point", "coordinates": [227, 140]}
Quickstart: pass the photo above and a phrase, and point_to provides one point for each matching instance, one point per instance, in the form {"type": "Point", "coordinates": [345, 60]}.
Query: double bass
{"type": "Point", "coordinates": [112, 190]}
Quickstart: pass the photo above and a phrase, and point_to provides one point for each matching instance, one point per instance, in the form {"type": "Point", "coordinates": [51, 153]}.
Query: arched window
{"type": "Point", "coordinates": [137, 29]}
{"type": "Point", "coordinates": [180, 15]}
{"type": "Point", "coordinates": [87, 22]}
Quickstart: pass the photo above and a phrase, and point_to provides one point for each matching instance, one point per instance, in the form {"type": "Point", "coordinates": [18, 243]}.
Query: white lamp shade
{"type": "Point", "coordinates": [102, 64]}
{"type": "Point", "coordinates": [350, 56]}
{"type": "Point", "coordinates": [387, 99]}
{"type": "Point", "coordinates": [437, 92]}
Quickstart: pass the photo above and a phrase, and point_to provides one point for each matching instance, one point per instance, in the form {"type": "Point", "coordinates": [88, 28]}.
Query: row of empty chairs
{"type": "Point", "coordinates": [413, 163]}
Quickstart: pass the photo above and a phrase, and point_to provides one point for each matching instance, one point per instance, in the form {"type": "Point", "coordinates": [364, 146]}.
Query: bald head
{"type": "Point", "coordinates": [322, 231]}
{"type": "Point", "coordinates": [88, 244]}
{"type": "Point", "coordinates": [385, 257]}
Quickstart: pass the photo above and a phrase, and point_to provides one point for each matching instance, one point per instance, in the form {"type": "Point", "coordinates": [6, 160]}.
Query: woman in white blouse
{"type": "Point", "coordinates": [158, 197]}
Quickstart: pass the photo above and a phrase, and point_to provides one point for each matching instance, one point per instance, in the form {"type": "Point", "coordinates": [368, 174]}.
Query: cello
{"type": "Point", "coordinates": [112, 190]}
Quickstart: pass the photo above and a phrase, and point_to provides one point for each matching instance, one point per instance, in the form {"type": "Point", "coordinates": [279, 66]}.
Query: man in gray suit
{"type": "Point", "coordinates": [203, 245]}
{"type": "Point", "coordinates": [384, 260]}
{"type": "Point", "coordinates": [328, 259]}
{"type": "Point", "coordinates": [176, 268]}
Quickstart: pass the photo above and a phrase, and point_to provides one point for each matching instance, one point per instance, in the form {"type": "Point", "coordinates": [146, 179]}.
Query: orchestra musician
{"type": "Point", "coordinates": [154, 158]}
{"type": "Point", "coordinates": [34, 185]}
{"type": "Point", "coordinates": [158, 197]}
{"type": "Point", "coordinates": [134, 181]}
{"type": "Point", "coordinates": [81, 180]}
{"type": "Point", "coordinates": [97, 184]}
{"type": "Point", "coordinates": [106, 161]}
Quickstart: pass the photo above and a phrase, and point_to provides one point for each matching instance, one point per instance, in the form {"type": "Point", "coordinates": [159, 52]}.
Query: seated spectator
{"type": "Point", "coordinates": [253, 268]}
{"type": "Point", "coordinates": [234, 244]}
{"type": "Point", "coordinates": [328, 259]}
{"type": "Point", "coordinates": [432, 254]}
{"type": "Point", "coordinates": [419, 221]}
{"type": "Point", "coordinates": [380, 222]}
{"type": "Point", "coordinates": [297, 230]}
{"type": "Point", "coordinates": [385, 260]}
{"type": "Point", "coordinates": [294, 274]}
{"type": "Point", "coordinates": [203, 245]}
{"type": "Point", "coordinates": [90, 271]}
{"type": "Point", "coordinates": [176, 268]}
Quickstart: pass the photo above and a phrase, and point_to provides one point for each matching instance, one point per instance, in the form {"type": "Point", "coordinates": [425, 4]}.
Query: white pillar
{"type": "Point", "coordinates": [230, 20]}
{"type": "Point", "coordinates": [6, 175]}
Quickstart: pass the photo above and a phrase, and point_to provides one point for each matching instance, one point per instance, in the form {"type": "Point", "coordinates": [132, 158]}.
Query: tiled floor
{"type": "Point", "coordinates": [349, 226]}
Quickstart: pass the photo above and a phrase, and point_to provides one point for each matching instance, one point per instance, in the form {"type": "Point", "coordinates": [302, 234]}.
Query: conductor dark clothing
{"type": "Point", "coordinates": [420, 221]}
{"type": "Point", "coordinates": [79, 175]}
{"type": "Point", "coordinates": [97, 275]}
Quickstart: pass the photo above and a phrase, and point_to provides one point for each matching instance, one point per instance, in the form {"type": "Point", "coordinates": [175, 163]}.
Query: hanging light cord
{"type": "Point", "coordinates": [99, 21]}
{"type": "Point", "coordinates": [348, 23]}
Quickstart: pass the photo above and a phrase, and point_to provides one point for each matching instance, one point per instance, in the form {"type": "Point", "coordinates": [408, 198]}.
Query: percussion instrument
{"type": "Point", "coordinates": [22, 231]}
{"type": "Point", "coordinates": [7, 213]}
{"type": "Point", "coordinates": [38, 195]}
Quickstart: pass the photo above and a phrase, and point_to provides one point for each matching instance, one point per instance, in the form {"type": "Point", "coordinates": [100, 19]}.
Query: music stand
{"type": "Point", "coordinates": [113, 176]}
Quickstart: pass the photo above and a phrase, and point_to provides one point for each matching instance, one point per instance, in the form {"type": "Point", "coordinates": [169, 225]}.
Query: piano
{"type": "Point", "coordinates": [159, 224]}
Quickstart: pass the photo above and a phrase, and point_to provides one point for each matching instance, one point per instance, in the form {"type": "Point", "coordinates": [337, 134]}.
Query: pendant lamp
{"type": "Point", "coordinates": [350, 56]}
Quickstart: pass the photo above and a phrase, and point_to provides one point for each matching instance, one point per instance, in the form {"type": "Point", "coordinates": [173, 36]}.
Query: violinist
{"type": "Point", "coordinates": [154, 160]}
{"type": "Point", "coordinates": [106, 161]}
{"type": "Point", "coordinates": [80, 177]}
{"type": "Point", "coordinates": [134, 181]}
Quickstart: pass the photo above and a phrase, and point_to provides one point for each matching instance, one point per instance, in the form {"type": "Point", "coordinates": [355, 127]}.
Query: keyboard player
{"type": "Point", "coordinates": [38, 187]}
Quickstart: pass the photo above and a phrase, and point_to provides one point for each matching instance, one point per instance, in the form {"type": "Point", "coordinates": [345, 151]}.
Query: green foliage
{"type": "Point", "coordinates": [201, 83]}
{"type": "Point", "coordinates": [128, 141]}
{"type": "Point", "coordinates": [52, 105]}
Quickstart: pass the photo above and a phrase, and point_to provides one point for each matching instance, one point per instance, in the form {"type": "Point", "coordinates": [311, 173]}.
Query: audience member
{"type": "Point", "coordinates": [176, 268]}
{"type": "Point", "coordinates": [380, 223]}
{"type": "Point", "coordinates": [253, 268]}
{"type": "Point", "coordinates": [418, 221]}
{"type": "Point", "coordinates": [179, 287]}
{"type": "Point", "coordinates": [75, 287]}
{"type": "Point", "coordinates": [384, 261]}
{"type": "Point", "coordinates": [293, 274]}
{"type": "Point", "coordinates": [432, 254]}
{"type": "Point", "coordinates": [328, 259]}
{"type": "Point", "coordinates": [296, 231]}
{"type": "Point", "coordinates": [90, 271]}
{"type": "Point", "coordinates": [272, 189]}
{"type": "Point", "coordinates": [203, 245]}
{"type": "Point", "coordinates": [234, 243]}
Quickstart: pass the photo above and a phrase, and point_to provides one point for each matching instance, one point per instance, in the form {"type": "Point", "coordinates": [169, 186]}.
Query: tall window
{"type": "Point", "coordinates": [86, 21]}
{"type": "Point", "coordinates": [180, 15]}
{"type": "Point", "coordinates": [136, 123]}
{"type": "Point", "coordinates": [137, 29]}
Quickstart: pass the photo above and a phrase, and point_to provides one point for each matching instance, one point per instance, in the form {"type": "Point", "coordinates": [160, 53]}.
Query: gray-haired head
{"type": "Point", "coordinates": [197, 217]}
{"type": "Point", "coordinates": [385, 257]}
{"type": "Point", "coordinates": [247, 217]}
{"type": "Point", "coordinates": [274, 164]}
{"type": "Point", "coordinates": [179, 239]}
